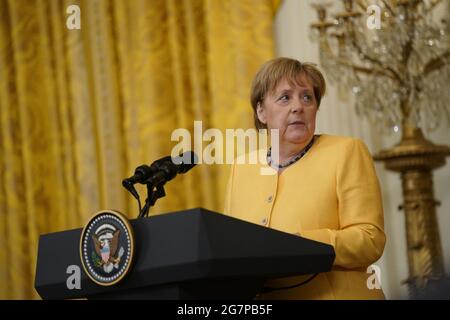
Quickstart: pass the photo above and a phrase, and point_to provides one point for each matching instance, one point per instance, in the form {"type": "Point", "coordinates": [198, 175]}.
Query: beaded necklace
{"type": "Point", "coordinates": [294, 159]}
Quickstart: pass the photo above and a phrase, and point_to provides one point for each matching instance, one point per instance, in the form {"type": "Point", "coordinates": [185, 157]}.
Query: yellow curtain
{"type": "Point", "coordinates": [80, 109]}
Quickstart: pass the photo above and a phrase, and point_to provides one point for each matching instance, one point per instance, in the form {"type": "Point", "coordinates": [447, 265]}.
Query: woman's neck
{"type": "Point", "coordinates": [290, 150]}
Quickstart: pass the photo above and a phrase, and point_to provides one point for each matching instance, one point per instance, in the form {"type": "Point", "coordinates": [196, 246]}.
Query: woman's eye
{"type": "Point", "coordinates": [284, 98]}
{"type": "Point", "coordinates": [307, 98]}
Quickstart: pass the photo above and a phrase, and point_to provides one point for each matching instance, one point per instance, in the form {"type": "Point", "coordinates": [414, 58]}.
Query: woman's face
{"type": "Point", "coordinates": [292, 109]}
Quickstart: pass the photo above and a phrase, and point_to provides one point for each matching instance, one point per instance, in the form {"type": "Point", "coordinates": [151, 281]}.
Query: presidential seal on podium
{"type": "Point", "coordinates": [107, 247]}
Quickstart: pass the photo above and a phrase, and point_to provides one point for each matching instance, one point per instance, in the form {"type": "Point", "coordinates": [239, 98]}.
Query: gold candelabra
{"type": "Point", "coordinates": [394, 56]}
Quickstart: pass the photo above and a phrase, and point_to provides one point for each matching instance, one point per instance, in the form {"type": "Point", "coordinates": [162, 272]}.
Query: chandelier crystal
{"type": "Point", "coordinates": [398, 73]}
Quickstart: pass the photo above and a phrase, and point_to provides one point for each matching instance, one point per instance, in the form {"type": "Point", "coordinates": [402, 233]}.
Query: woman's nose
{"type": "Point", "coordinates": [296, 106]}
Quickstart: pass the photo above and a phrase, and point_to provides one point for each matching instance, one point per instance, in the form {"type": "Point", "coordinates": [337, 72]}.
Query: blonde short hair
{"type": "Point", "coordinates": [275, 70]}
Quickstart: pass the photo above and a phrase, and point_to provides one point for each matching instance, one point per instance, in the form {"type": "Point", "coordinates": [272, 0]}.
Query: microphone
{"type": "Point", "coordinates": [156, 175]}
{"type": "Point", "coordinates": [161, 170]}
{"type": "Point", "coordinates": [140, 175]}
{"type": "Point", "coordinates": [167, 168]}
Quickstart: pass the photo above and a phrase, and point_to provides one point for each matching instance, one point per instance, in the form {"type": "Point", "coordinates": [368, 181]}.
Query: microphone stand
{"type": "Point", "coordinates": [153, 194]}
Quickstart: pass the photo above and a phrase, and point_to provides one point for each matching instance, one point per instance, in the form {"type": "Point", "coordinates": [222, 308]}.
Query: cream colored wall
{"type": "Point", "coordinates": [337, 116]}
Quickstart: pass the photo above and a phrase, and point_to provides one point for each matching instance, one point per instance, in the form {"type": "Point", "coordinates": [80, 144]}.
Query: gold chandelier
{"type": "Point", "coordinates": [394, 56]}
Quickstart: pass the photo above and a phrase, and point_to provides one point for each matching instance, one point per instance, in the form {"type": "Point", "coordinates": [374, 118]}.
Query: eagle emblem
{"type": "Point", "coordinates": [106, 250]}
{"type": "Point", "coordinates": [107, 247]}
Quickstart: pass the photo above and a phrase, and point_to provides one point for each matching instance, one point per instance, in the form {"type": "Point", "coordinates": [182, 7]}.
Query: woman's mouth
{"type": "Point", "coordinates": [297, 123]}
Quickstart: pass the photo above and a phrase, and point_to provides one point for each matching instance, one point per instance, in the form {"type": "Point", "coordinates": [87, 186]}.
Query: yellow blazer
{"type": "Point", "coordinates": [331, 195]}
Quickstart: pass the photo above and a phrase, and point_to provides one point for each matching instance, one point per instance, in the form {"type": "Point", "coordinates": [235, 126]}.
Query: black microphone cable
{"type": "Point", "coordinates": [271, 289]}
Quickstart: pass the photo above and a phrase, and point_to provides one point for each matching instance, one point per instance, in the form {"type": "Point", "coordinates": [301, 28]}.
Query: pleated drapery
{"type": "Point", "coordinates": [80, 109]}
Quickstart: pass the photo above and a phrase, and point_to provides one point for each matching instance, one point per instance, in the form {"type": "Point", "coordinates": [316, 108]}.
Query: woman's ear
{"type": "Point", "coordinates": [261, 113]}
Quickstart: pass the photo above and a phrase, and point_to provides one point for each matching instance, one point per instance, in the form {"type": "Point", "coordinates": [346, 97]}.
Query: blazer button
{"type": "Point", "coordinates": [269, 199]}
{"type": "Point", "coordinates": [264, 221]}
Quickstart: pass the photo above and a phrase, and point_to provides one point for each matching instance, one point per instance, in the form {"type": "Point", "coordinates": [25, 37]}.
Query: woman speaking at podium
{"type": "Point", "coordinates": [325, 187]}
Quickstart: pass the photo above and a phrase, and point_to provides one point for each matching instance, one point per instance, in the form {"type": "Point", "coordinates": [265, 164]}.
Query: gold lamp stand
{"type": "Point", "coordinates": [415, 157]}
